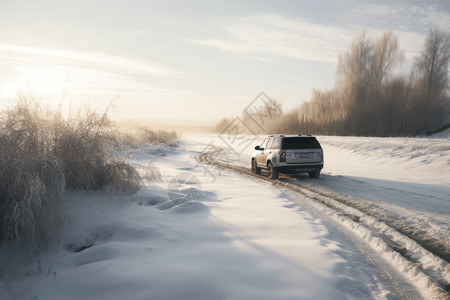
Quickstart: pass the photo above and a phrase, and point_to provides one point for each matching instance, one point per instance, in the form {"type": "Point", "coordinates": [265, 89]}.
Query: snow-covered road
{"type": "Point", "coordinates": [242, 238]}
{"type": "Point", "coordinates": [409, 177]}
{"type": "Point", "coordinates": [401, 182]}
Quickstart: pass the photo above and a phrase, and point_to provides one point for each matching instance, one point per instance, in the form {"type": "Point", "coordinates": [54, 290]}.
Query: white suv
{"type": "Point", "coordinates": [288, 154]}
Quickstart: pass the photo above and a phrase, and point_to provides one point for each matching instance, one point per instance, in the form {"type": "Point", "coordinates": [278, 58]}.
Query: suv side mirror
{"type": "Point", "coordinates": [258, 148]}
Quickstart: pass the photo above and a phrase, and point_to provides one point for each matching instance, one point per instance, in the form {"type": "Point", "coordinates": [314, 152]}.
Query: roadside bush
{"type": "Point", "coordinates": [41, 153]}
{"type": "Point", "coordinates": [44, 151]}
{"type": "Point", "coordinates": [142, 136]}
{"type": "Point", "coordinates": [149, 136]}
{"type": "Point", "coordinates": [31, 193]}
{"type": "Point", "coordinates": [152, 172]}
{"type": "Point", "coordinates": [83, 142]}
{"type": "Point", "coordinates": [123, 177]}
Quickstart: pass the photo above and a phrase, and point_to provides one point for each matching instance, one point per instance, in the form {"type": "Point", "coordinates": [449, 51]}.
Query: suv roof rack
{"type": "Point", "coordinates": [304, 135]}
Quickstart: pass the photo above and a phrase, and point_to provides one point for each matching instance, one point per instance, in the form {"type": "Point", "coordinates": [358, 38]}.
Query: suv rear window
{"type": "Point", "coordinates": [300, 143]}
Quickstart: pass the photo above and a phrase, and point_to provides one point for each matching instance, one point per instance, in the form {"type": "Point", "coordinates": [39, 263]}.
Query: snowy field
{"type": "Point", "coordinates": [230, 236]}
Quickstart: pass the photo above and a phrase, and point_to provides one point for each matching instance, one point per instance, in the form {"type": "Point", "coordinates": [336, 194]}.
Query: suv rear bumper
{"type": "Point", "coordinates": [299, 168]}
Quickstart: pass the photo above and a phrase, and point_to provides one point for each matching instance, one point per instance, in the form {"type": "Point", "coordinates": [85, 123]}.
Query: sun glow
{"type": "Point", "coordinates": [46, 84]}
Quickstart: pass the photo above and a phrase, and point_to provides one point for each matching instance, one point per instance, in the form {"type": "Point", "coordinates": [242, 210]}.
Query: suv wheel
{"type": "Point", "coordinates": [315, 174]}
{"type": "Point", "coordinates": [255, 168]}
{"type": "Point", "coordinates": [271, 172]}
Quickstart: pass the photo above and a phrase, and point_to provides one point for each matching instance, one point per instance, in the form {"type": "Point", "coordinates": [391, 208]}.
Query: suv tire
{"type": "Point", "coordinates": [255, 168]}
{"type": "Point", "coordinates": [272, 173]}
{"type": "Point", "coordinates": [315, 174]}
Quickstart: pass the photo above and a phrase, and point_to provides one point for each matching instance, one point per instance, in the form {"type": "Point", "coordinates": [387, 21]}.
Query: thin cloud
{"type": "Point", "coordinates": [406, 15]}
{"type": "Point", "coordinates": [99, 59]}
{"type": "Point", "coordinates": [103, 82]}
{"type": "Point", "coordinates": [269, 36]}
{"type": "Point", "coordinates": [259, 58]}
{"type": "Point", "coordinates": [274, 35]}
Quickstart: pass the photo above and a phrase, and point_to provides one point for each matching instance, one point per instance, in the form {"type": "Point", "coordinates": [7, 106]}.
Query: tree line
{"type": "Point", "coordinates": [370, 97]}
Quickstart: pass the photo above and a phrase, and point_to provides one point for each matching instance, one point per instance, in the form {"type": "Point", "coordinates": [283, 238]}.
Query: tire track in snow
{"type": "Point", "coordinates": [415, 247]}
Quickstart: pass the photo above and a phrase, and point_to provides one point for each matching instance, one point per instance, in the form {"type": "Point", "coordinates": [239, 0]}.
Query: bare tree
{"type": "Point", "coordinates": [354, 72]}
{"type": "Point", "coordinates": [432, 68]}
{"type": "Point", "coordinates": [387, 55]}
{"type": "Point", "coordinates": [354, 66]}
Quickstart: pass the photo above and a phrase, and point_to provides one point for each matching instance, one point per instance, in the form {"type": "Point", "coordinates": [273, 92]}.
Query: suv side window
{"type": "Point", "coordinates": [275, 144]}
{"type": "Point", "coordinates": [264, 144]}
{"type": "Point", "coordinates": [272, 143]}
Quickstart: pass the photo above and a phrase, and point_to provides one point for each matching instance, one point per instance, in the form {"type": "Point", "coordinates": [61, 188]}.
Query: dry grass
{"type": "Point", "coordinates": [122, 177]}
{"type": "Point", "coordinates": [149, 136]}
{"type": "Point", "coordinates": [42, 153]}
{"type": "Point", "coordinates": [146, 136]}
{"type": "Point", "coordinates": [31, 193]}
{"type": "Point", "coordinates": [152, 172]}
{"type": "Point", "coordinates": [85, 144]}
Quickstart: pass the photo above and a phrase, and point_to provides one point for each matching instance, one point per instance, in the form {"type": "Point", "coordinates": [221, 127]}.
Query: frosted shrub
{"type": "Point", "coordinates": [149, 136]}
{"type": "Point", "coordinates": [31, 194]}
{"type": "Point", "coordinates": [144, 136]}
{"type": "Point", "coordinates": [122, 177]}
{"type": "Point", "coordinates": [41, 153]}
{"type": "Point", "coordinates": [152, 172]}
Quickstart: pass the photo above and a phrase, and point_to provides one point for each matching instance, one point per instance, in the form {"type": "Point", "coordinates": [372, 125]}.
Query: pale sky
{"type": "Point", "coordinates": [192, 59]}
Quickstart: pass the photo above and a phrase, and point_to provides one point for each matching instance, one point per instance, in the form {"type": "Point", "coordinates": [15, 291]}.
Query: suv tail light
{"type": "Point", "coordinates": [282, 156]}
